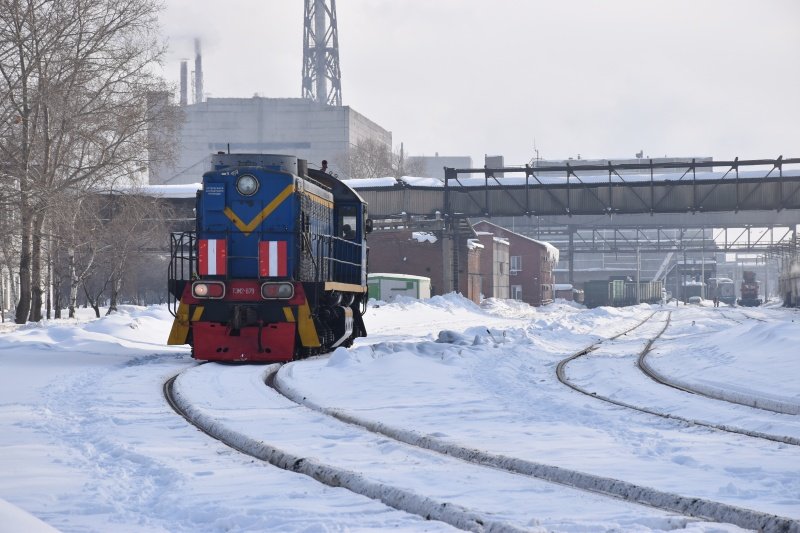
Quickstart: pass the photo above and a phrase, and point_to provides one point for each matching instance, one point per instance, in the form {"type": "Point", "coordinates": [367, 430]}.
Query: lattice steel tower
{"type": "Point", "coordinates": [321, 53]}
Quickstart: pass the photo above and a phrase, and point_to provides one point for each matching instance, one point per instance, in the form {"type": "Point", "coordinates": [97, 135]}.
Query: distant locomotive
{"type": "Point", "coordinates": [277, 266]}
{"type": "Point", "coordinates": [748, 291]}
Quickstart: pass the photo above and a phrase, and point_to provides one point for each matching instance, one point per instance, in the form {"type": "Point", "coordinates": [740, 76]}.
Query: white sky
{"type": "Point", "coordinates": [462, 77]}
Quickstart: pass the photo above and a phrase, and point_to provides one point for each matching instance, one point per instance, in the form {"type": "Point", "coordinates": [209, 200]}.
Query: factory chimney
{"type": "Point", "coordinates": [198, 73]}
{"type": "Point", "coordinates": [184, 83]}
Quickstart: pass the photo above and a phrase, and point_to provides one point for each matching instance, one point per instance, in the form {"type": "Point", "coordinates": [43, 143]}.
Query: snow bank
{"type": "Point", "coordinates": [15, 519]}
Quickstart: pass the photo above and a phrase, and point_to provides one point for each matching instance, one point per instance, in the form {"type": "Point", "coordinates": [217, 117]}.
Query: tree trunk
{"type": "Point", "coordinates": [115, 287]}
{"type": "Point", "coordinates": [73, 282]}
{"type": "Point", "coordinates": [93, 302]}
{"type": "Point", "coordinates": [57, 299]}
{"type": "Point", "coordinates": [24, 304]}
{"type": "Point", "coordinates": [49, 280]}
{"type": "Point", "coordinates": [36, 269]}
{"type": "Point", "coordinates": [56, 276]}
{"type": "Point", "coordinates": [2, 297]}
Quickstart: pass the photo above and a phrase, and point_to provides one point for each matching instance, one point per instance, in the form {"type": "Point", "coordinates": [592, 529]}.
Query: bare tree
{"type": "Point", "coordinates": [370, 158]}
{"type": "Point", "coordinates": [81, 243]}
{"type": "Point", "coordinates": [403, 166]}
{"type": "Point", "coordinates": [134, 231]}
{"type": "Point", "coordinates": [75, 78]}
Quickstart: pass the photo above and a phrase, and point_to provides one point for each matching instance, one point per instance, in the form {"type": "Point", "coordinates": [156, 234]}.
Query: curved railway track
{"type": "Point", "coordinates": [395, 497]}
{"type": "Point", "coordinates": [698, 508]}
{"type": "Point", "coordinates": [773, 406]}
{"type": "Point", "coordinates": [645, 368]}
{"type": "Point", "coordinates": [465, 518]}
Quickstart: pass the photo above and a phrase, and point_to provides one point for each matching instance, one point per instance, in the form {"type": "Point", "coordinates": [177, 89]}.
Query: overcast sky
{"type": "Point", "coordinates": [597, 78]}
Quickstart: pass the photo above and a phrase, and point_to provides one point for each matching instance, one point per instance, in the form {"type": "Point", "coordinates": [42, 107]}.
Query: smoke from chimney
{"type": "Point", "coordinates": [198, 73]}
{"type": "Point", "coordinates": [184, 83]}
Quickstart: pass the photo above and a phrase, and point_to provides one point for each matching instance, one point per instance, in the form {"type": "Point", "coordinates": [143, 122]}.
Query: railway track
{"type": "Point", "coordinates": [395, 497]}
{"type": "Point", "coordinates": [698, 508]}
{"type": "Point", "coordinates": [462, 517]}
{"type": "Point", "coordinates": [648, 371]}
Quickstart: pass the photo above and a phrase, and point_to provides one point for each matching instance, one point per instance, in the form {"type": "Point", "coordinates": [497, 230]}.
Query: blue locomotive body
{"type": "Point", "coordinates": [277, 266]}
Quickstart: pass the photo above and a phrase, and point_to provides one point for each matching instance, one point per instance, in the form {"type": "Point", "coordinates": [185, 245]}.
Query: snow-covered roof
{"type": "Point", "coordinates": [478, 180]}
{"type": "Point", "coordinates": [562, 286]}
{"type": "Point", "coordinates": [187, 190]}
{"type": "Point", "coordinates": [422, 182]}
{"type": "Point", "coordinates": [371, 182]}
{"type": "Point", "coordinates": [424, 236]}
{"type": "Point", "coordinates": [472, 244]}
{"type": "Point", "coordinates": [552, 251]}
{"type": "Point", "coordinates": [376, 275]}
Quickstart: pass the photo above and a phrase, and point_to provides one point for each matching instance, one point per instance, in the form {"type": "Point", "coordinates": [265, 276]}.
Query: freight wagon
{"type": "Point", "coordinates": [620, 292]}
{"type": "Point", "coordinates": [789, 282]}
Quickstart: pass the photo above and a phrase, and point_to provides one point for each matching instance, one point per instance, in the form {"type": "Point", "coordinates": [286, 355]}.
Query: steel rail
{"type": "Point", "coordinates": [560, 372]}
{"type": "Point", "coordinates": [605, 486]}
{"type": "Point", "coordinates": [395, 497]}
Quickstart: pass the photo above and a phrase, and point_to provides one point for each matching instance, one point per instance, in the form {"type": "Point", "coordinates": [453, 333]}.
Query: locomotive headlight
{"type": "Point", "coordinates": [208, 289]}
{"type": "Point", "coordinates": [277, 291]}
{"type": "Point", "coordinates": [247, 185]}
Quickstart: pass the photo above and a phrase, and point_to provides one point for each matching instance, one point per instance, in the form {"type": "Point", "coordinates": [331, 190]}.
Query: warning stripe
{"type": "Point", "coordinates": [212, 257]}
{"type": "Point", "coordinates": [272, 259]}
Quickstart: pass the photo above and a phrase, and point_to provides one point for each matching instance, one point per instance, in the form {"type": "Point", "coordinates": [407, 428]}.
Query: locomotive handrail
{"type": "Point", "coordinates": [338, 259]}
{"type": "Point", "coordinates": [181, 267]}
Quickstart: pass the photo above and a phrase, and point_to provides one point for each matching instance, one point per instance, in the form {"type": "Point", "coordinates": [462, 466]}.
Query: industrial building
{"type": "Point", "coordinates": [310, 130]}
{"type": "Point", "coordinates": [315, 127]}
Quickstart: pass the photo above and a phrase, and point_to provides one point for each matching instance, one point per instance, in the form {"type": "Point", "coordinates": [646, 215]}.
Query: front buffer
{"type": "Point", "coordinates": [233, 321]}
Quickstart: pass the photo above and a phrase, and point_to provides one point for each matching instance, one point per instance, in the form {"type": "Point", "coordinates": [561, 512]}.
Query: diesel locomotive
{"type": "Point", "coordinates": [276, 268]}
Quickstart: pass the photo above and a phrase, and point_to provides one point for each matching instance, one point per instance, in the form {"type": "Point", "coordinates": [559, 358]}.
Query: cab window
{"type": "Point", "coordinates": [347, 222]}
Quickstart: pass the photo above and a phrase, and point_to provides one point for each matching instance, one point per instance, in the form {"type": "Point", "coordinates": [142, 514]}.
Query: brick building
{"type": "Point", "coordinates": [531, 264]}
{"type": "Point", "coordinates": [494, 265]}
{"type": "Point", "coordinates": [421, 254]}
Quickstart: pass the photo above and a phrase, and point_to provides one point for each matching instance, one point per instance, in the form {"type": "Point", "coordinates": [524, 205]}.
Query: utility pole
{"type": "Point", "coordinates": [321, 53]}
{"type": "Point", "coordinates": [638, 270]}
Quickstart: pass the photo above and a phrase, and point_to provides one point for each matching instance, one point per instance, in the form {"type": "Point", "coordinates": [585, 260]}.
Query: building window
{"type": "Point", "coordinates": [516, 292]}
{"type": "Point", "coordinates": [516, 263]}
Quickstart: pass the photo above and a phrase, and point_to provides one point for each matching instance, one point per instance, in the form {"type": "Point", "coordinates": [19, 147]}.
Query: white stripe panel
{"type": "Point", "coordinates": [273, 258]}
{"type": "Point", "coordinates": [212, 256]}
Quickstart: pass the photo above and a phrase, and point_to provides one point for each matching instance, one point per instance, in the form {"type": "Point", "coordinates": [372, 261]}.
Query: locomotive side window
{"type": "Point", "coordinates": [347, 222]}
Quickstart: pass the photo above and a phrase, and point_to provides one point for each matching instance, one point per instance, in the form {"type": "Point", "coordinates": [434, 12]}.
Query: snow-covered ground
{"type": "Point", "coordinates": [88, 442]}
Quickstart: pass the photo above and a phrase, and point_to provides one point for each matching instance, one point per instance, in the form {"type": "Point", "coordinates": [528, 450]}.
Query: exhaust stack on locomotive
{"type": "Point", "coordinates": [277, 266]}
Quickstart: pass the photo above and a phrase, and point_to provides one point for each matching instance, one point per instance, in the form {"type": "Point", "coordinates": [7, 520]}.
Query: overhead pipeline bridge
{"type": "Point", "coordinates": [556, 191]}
{"type": "Point", "coordinates": [613, 207]}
